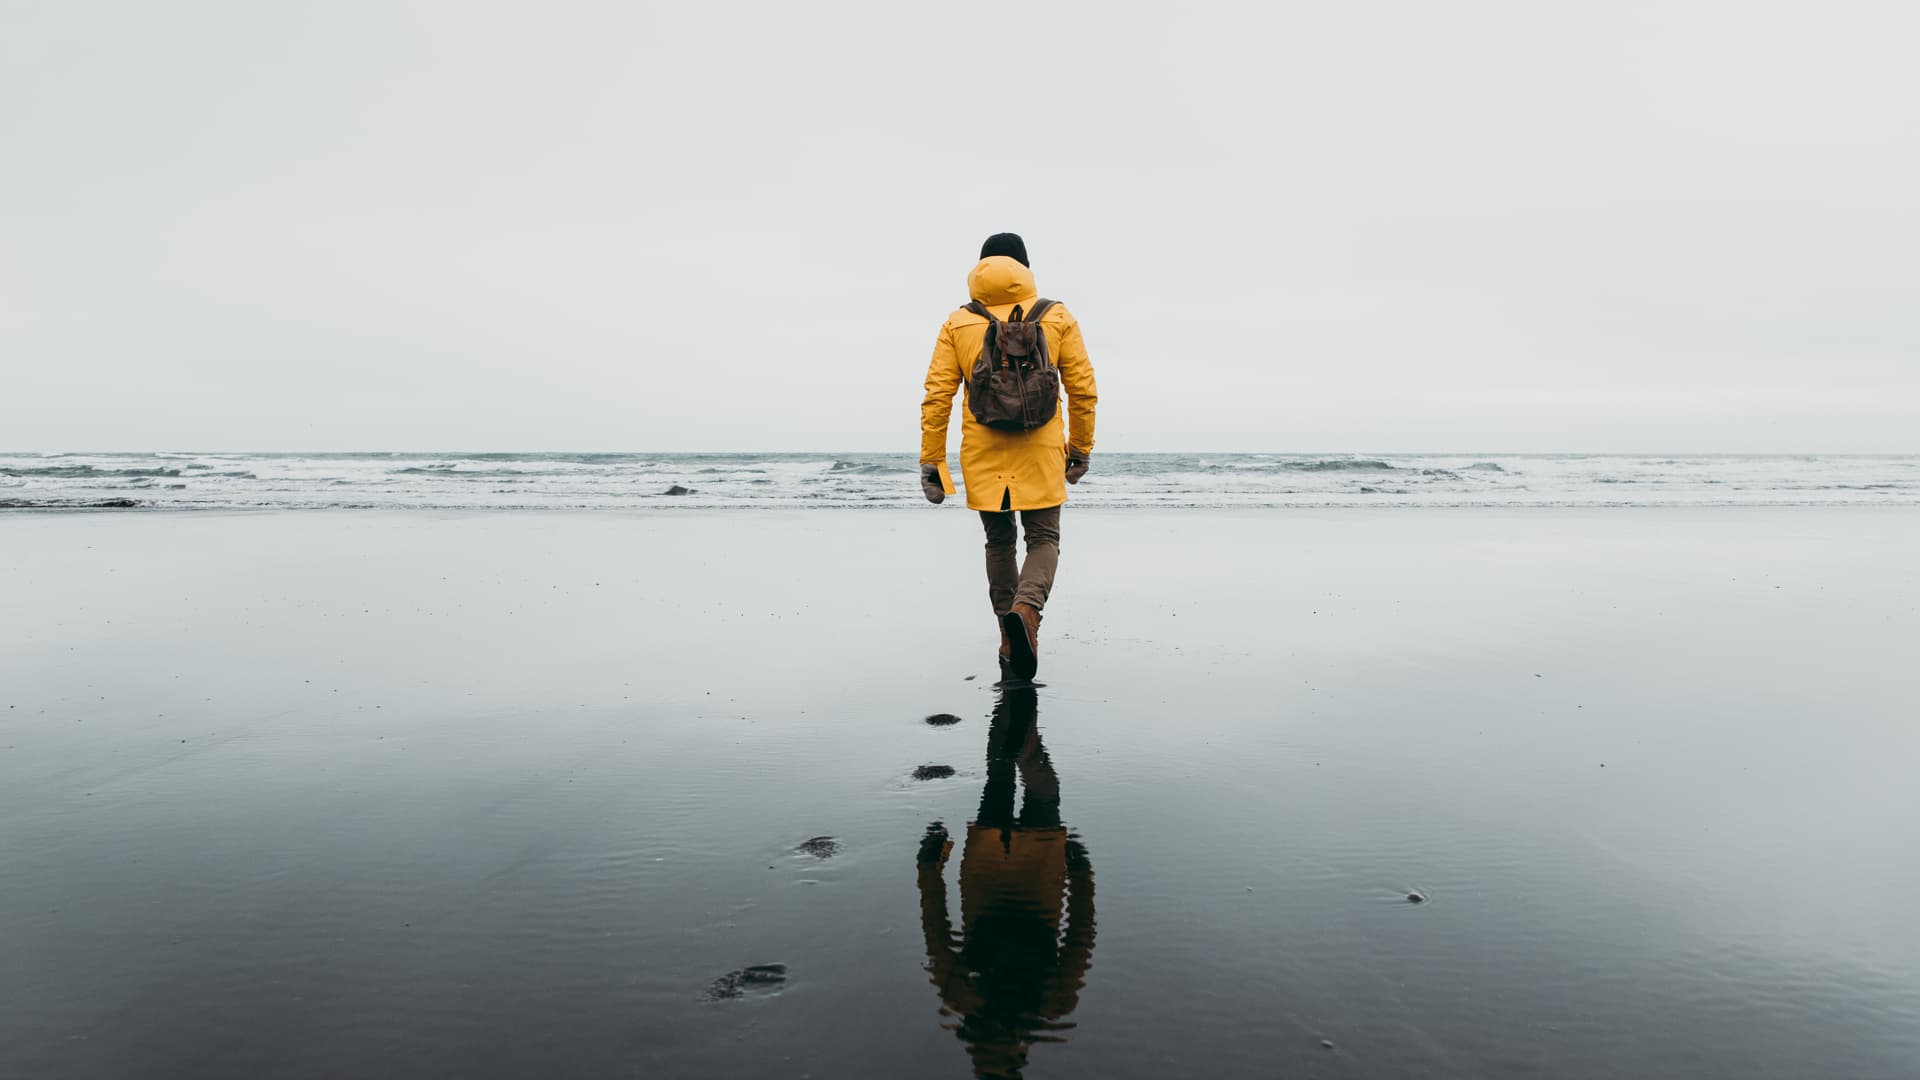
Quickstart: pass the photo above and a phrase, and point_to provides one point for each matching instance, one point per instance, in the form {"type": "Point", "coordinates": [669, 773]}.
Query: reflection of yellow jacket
{"type": "Point", "coordinates": [1026, 468]}
{"type": "Point", "coordinates": [1019, 872]}
{"type": "Point", "coordinates": [1014, 973]}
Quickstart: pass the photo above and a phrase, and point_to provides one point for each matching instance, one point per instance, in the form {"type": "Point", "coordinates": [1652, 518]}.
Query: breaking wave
{"type": "Point", "coordinates": [1340, 465]}
{"type": "Point", "coordinates": [83, 470]}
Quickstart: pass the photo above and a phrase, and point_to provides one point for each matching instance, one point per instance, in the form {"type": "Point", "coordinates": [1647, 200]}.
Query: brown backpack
{"type": "Point", "coordinates": [1014, 385]}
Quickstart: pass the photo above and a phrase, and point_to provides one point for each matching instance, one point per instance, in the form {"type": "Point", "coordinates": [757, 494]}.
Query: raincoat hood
{"type": "Point", "coordinates": [999, 280]}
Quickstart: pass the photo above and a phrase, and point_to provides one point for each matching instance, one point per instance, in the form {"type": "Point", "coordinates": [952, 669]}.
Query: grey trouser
{"type": "Point", "coordinates": [1008, 582]}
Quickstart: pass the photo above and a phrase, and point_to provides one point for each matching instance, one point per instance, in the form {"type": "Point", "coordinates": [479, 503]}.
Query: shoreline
{"type": "Point", "coordinates": [857, 481]}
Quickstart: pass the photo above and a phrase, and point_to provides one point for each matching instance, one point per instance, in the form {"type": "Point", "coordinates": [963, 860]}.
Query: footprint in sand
{"type": "Point", "coordinates": [820, 847]}
{"type": "Point", "coordinates": [758, 979]}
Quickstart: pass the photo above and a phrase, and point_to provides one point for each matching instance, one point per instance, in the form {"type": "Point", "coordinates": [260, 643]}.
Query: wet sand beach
{"type": "Point", "coordinates": [1349, 793]}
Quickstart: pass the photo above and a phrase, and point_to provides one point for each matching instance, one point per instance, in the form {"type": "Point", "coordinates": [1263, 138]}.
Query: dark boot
{"type": "Point", "coordinates": [1021, 626]}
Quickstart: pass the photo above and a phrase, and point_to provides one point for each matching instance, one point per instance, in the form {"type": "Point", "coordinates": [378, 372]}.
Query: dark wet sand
{"type": "Point", "coordinates": [402, 794]}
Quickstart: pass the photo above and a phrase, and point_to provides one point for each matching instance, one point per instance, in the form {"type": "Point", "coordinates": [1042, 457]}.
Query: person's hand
{"type": "Point", "coordinates": [1077, 466]}
{"type": "Point", "coordinates": [930, 483]}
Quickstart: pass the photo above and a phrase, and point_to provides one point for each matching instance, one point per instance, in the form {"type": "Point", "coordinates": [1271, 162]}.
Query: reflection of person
{"type": "Point", "coordinates": [1011, 465]}
{"type": "Point", "coordinates": [1014, 971]}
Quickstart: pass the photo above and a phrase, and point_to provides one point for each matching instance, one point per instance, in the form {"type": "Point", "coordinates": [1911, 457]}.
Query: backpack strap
{"type": "Point", "coordinates": [1040, 307]}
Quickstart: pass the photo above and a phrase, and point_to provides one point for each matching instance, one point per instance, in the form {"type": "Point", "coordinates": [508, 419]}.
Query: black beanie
{"type": "Point", "coordinates": [1006, 243]}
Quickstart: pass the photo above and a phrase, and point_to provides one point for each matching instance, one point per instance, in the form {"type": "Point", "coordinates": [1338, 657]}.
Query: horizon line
{"type": "Point", "coordinates": [908, 453]}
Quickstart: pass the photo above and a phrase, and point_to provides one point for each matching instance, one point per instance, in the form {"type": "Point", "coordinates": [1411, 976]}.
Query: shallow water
{"type": "Point", "coordinates": [393, 794]}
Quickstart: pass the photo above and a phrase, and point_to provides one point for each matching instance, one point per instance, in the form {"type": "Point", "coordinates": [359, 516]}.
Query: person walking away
{"type": "Point", "coordinates": [1014, 353]}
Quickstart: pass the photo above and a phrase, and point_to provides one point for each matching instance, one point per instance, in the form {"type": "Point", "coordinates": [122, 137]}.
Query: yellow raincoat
{"type": "Point", "coordinates": [1014, 470]}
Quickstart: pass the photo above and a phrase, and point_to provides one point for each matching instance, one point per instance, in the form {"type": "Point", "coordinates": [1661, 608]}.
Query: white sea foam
{"type": "Point", "coordinates": [176, 480]}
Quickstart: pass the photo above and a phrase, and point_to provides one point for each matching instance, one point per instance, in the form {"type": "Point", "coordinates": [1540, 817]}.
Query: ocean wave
{"type": "Point", "coordinates": [791, 480]}
{"type": "Point", "coordinates": [863, 468]}
{"type": "Point", "coordinates": [70, 504]}
{"type": "Point", "coordinates": [455, 472]}
{"type": "Point", "coordinates": [1340, 465]}
{"type": "Point", "coordinates": [540, 468]}
{"type": "Point", "coordinates": [558, 459]}
{"type": "Point", "coordinates": [69, 472]}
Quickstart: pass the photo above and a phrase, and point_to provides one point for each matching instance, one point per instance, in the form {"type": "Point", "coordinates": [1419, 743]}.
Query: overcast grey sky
{"type": "Point", "coordinates": [1527, 226]}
